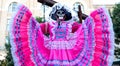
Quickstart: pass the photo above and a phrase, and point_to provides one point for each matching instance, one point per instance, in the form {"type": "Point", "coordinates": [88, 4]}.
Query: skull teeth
{"type": "Point", "coordinates": [60, 17]}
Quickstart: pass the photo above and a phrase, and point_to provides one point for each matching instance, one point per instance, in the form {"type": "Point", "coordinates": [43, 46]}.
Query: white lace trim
{"type": "Point", "coordinates": [60, 44]}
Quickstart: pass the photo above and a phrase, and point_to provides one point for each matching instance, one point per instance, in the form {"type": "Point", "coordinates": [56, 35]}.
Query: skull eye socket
{"type": "Point", "coordinates": [58, 12]}
{"type": "Point", "coordinates": [62, 12]}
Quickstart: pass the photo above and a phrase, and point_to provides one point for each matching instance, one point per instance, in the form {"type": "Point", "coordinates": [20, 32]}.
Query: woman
{"type": "Point", "coordinates": [69, 43]}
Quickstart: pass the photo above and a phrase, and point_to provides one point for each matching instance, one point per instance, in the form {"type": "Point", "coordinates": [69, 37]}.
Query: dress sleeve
{"type": "Point", "coordinates": [75, 26]}
{"type": "Point", "coordinates": [45, 27]}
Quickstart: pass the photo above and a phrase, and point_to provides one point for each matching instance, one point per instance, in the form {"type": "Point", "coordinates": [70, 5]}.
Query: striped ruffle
{"type": "Point", "coordinates": [104, 38]}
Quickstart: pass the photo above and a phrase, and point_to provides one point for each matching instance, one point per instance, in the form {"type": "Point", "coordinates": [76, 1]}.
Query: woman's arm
{"type": "Point", "coordinates": [75, 26]}
{"type": "Point", "coordinates": [44, 27]}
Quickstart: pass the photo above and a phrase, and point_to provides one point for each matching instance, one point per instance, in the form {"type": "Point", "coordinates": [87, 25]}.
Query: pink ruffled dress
{"type": "Point", "coordinates": [72, 44]}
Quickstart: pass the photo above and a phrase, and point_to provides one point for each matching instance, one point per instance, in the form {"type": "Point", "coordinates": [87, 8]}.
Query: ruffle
{"type": "Point", "coordinates": [104, 38]}
{"type": "Point", "coordinates": [19, 37]}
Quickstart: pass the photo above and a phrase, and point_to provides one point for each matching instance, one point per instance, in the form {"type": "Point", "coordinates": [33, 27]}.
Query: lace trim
{"type": "Point", "coordinates": [63, 44]}
{"type": "Point", "coordinates": [60, 44]}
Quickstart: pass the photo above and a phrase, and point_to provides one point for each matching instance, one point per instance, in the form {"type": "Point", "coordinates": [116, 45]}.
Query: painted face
{"type": "Point", "coordinates": [60, 14]}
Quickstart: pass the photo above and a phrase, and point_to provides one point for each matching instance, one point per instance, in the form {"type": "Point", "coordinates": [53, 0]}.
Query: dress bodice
{"type": "Point", "coordinates": [60, 32]}
{"type": "Point", "coordinates": [61, 37]}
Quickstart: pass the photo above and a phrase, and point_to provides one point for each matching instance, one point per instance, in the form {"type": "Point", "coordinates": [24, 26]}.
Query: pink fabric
{"type": "Point", "coordinates": [75, 26]}
{"type": "Point", "coordinates": [100, 41]}
{"type": "Point", "coordinates": [86, 44]}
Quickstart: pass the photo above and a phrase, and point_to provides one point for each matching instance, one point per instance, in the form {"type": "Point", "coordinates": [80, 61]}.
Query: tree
{"type": "Point", "coordinates": [8, 59]}
{"type": "Point", "coordinates": [39, 19]}
{"type": "Point", "coordinates": [116, 25]}
{"type": "Point", "coordinates": [116, 21]}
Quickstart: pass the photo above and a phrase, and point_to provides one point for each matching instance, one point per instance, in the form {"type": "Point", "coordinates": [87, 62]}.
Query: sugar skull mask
{"type": "Point", "coordinates": [60, 12]}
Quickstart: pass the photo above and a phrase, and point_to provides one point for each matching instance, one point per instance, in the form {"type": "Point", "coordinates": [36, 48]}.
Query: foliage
{"type": "Point", "coordinates": [116, 21]}
{"type": "Point", "coordinates": [39, 19]}
{"type": "Point", "coordinates": [116, 25]}
{"type": "Point", "coordinates": [8, 59]}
